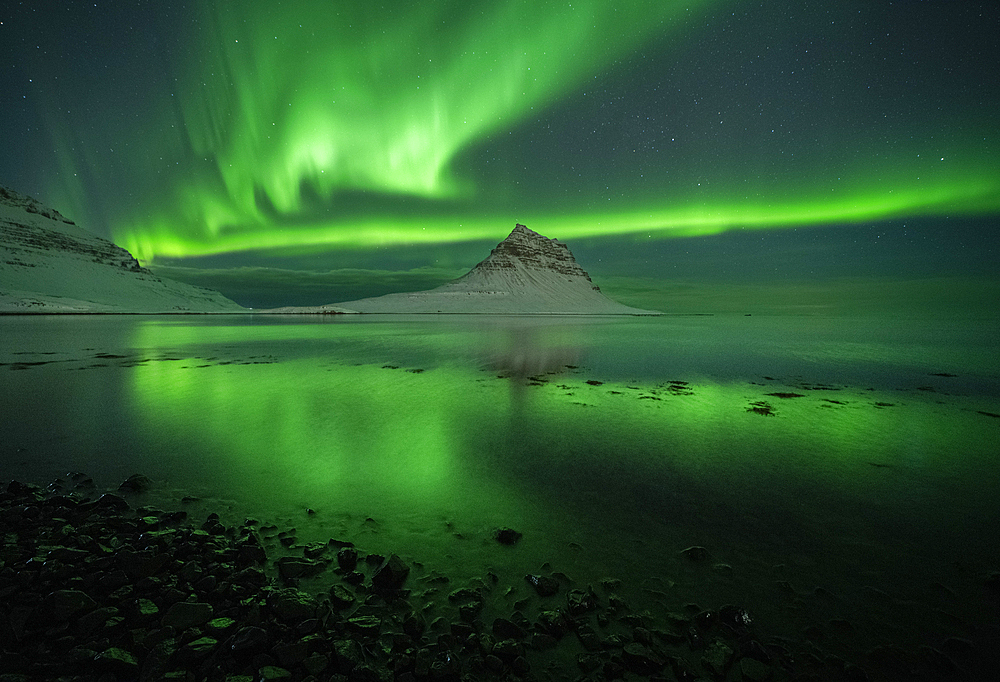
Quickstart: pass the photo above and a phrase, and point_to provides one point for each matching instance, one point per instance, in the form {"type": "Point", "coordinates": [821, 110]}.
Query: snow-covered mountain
{"type": "Point", "coordinates": [525, 273]}
{"type": "Point", "coordinates": [48, 264]}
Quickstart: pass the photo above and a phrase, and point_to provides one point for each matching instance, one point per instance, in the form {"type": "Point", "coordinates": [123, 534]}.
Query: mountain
{"type": "Point", "coordinates": [525, 273]}
{"type": "Point", "coordinates": [48, 264]}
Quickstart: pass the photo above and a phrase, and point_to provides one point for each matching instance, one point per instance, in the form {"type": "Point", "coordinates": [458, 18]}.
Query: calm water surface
{"type": "Point", "coordinates": [803, 453]}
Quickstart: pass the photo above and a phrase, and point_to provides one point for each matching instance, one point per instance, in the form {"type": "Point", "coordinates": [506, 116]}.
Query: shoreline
{"type": "Point", "coordinates": [97, 586]}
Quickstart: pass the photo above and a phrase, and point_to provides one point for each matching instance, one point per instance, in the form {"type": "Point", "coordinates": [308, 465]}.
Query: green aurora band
{"type": "Point", "coordinates": [283, 112]}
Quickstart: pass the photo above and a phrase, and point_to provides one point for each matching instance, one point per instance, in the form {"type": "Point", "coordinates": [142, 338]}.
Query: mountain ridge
{"type": "Point", "coordinates": [49, 264]}
{"type": "Point", "coordinates": [526, 273]}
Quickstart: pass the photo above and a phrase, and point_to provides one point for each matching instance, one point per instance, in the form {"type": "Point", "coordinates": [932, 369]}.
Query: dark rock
{"type": "Point", "coordinates": [250, 639]}
{"type": "Point", "coordinates": [545, 586]}
{"type": "Point", "coordinates": [507, 536]}
{"type": "Point", "coordinates": [696, 554]}
{"type": "Point", "coordinates": [348, 655]}
{"type": "Point", "coordinates": [391, 575]}
{"type": "Point", "coordinates": [196, 650]}
{"type": "Point", "coordinates": [290, 655]}
{"type": "Point", "coordinates": [62, 605]}
{"type": "Point", "coordinates": [366, 625]}
{"type": "Point", "coordinates": [640, 660]}
{"type": "Point", "coordinates": [249, 577]}
{"type": "Point", "coordinates": [717, 657]}
{"type": "Point", "coordinates": [520, 666]}
{"type": "Point", "coordinates": [136, 483]}
{"type": "Point", "coordinates": [347, 558]}
{"type": "Point", "coordinates": [755, 671]}
{"type": "Point", "coordinates": [111, 502]}
{"type": "Point", "coordinates": [340, 597]}
{"type": "Point", "coordinates": [118, 661]}
{"type": "Point", "coordinates": [272, 672]}
{"type": "Point", "coordinates": [250, 552]}
{"type": "Point", "coordinates": [505, 629]}
{"type": "Point", "coordinates": [184, 615]}
{"type": "Point", "coordinates": [292, 605]}
{"type": "Point", "coordinates": [291, 568]}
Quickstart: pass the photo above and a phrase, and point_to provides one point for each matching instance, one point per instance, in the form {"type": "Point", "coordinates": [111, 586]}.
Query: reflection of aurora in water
{"type": "Point", "coordinates": [607, 470]}
{"type": "Point", "coordinates": [534, 448]}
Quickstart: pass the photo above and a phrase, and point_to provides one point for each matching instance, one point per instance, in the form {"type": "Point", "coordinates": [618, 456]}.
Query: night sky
{"type": "Point", "coordinates": [782, 156]}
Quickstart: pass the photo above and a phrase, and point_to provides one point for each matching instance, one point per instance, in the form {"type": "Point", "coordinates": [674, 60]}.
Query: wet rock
{"type": "Point", "coordinates": [755, 671]}
{"type": "Point", "coordinates": [365, 625]}
{"type": "Point", "coordinates": [520, 666]}
{"type": "Point", "coordinates": [391, 574]}
{"type": "Point", "coordinates": [507, 536]}
{"type": "Point", "coordinates": [272, 672]}
{"type": "Point", "coordinates": [347, 558]}
{"type": "Point", "coordinates": [545, 586]}
{"type": "Point", "coordinates": [506, 629]}
{"type": "Point", "coordinates": [290, 655]}
{"type": "Point", "coordinates": [640, 659]}
{"type": "Point", "coordinates": [291, 568]}
{"type": "Point", "coordinates": [111, 502]}
{"type": "Point", "coordinates": [341, 598]}
{"type": "Point", "coordinates": [290, 604]}
{"type": "Point", "coordinates": [184, 615]}
{"type": "Point", "coordinates": [717, 657]}
{"type": "Point", "coordinates": [250, 639]}
{"type": "Point", "coordinates": [696, 554]}
{"type": "Point", "coordinates": [136, 483]}
{"type": "Point", "coordinates": [316, 663]}
{"type": "Point", "coordinates": [117, 661]}
{"type": "Point", "coordinates": [62, 605]}
{"type": "Point", "coordinates": [196, 650]}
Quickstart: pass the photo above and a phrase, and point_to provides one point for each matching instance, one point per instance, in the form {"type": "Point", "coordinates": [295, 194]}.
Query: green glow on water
{"type": "Point", "coordinates": [454, 439]}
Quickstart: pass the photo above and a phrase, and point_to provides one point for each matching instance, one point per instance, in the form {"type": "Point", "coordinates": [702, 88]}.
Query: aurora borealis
{"type": "Point", "coordinates": [344, 140]}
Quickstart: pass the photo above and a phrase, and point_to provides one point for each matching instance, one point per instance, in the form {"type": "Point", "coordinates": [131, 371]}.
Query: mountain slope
{"type": "Point", "coordinates": [48, 264]}
{"type": "Point", "coordinates": [525, 273]}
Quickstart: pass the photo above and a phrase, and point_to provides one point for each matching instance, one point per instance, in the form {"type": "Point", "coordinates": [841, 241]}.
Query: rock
{"type": "Point", "coordinates": [391, 575]}
{"type": "Point", "coordinates": [290, 655]}
{"type": "Point", "coordinates": [366, 625]}
{"type": "Point", "coordinates": [347, 558]}
{"type": "Point", "coordinates": [292, 605]}
{"type": "Point", "coordinates": [272, 672]}
{"type": "Point", "coordinates": [62, 605]}
{"type": "Point", "coordinates": [545, 586]}
{"type": "Point", "coordinates": [136, 483]}
{"type": "Point", "coordinates": [520, 666]}
{"type": "Point", "coordinates": [184, 615]}
{"type": "Point", "coordinates": [755, 671]}
{"type": "Point", "coordinates": [196, 650]}
{"type": "Point", "coordinates": [316, 663]}
{"type": "Point", "coordinates": [717, 657]}
{"type": "Point", "coordinates": [696, 554]}
{"type": "Point", "coordinates": [250, 639]}
{"type": "Point", "coordinates": [505, 629]}
{"type": "Point", "coordinates": [640, 659]}
{"type": "Point", "coordinates": [507, 536]}
{"type": "Point", "coordinates": [118, 661]}
{"type": "Point", "coordinates": [290, 568]}
{"type": "Point", "coordinates": [340, 597]}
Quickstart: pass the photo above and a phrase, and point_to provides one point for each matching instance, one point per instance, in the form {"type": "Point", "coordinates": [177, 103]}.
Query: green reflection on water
{"type": "Point", "coordinates": [506, 426]}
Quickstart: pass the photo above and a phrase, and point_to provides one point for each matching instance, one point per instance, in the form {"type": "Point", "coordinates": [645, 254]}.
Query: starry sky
{"type": "Point", "coordinates": [786, 156]}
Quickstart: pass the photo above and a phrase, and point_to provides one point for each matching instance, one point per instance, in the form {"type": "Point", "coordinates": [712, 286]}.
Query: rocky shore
{"type": "Point", "coordinates": [95, 587]}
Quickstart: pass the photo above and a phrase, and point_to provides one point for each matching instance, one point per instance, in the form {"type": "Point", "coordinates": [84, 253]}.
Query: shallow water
{"type": "Point", "coordinates": [867, 469]}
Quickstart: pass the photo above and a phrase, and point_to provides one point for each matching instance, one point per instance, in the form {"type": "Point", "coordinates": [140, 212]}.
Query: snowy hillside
{"type": "Point", "coordinates": [525, 273]}
{"type": "Point", "coordinates": [48, 264]}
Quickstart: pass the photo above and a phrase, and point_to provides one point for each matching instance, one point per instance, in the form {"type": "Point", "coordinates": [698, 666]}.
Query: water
{"type": "Point", "coordinates": [851, 455]}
